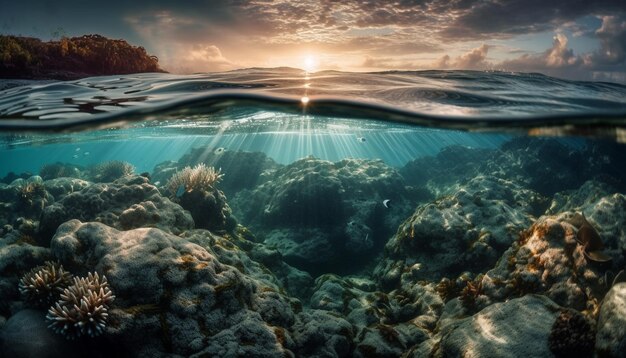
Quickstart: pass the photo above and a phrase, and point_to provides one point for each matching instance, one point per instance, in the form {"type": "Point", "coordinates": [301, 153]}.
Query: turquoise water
{"type": "Point", "coordinates": [278, 213]}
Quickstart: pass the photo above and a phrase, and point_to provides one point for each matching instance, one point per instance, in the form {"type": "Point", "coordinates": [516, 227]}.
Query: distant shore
{"type": "Point", "coordinates": [71, 58]}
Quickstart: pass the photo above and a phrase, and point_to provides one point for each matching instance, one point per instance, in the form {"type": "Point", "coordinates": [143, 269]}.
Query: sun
{"type": "Point", "coordinates": [310, 63]}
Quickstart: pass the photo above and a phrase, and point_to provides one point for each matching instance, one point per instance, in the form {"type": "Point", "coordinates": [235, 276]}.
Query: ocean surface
{"type": "Point", "coordinates": [280, 213]}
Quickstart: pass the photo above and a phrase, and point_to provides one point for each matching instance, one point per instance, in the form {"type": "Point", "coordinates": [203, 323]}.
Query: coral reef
{"type": "Point", "coordinates": [201, 303]}
{"type": "Point", "coordinates": [83, 308]}
{"type": "Point", "coordinates": [42, 285]}
{"type": "Point", "coordinates": [317, 213]}
{"type": "Point", "coordinates": [127, 203]}
{"type": "Point", "coordinates": [465, 231]}
{"type": "Point", "coordinates": [499, 264]}
{"type": "Point", "coordinates": [23, 198]}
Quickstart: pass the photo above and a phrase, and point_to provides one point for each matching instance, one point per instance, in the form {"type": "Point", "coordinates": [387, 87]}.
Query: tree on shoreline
{"type": "Point", "coordinates": [68, 58]}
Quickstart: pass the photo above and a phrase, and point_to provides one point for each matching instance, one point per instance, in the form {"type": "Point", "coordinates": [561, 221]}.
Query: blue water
{"type": "Point", "coordinates": [262, 110]}
{"type": "Point", "coordinates": [279, 213]}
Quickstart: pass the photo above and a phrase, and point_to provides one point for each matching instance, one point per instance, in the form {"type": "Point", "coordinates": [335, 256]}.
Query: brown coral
{"type": "Point", "coordinates": [83, 308]}
{"type": "Point", "coordinates": [43, 284]}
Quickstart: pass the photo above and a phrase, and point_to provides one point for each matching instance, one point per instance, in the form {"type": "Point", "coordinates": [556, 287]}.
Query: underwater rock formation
{"type": "Point", "coordinates": [317, 212]}
{"type": "Point", "coordinates": [452, 165]}
{"type": "Point", "coordinates": [518, 328]}
{"type": "Point", "coordinates": [385, 324]}
{"type": "Point", "coordinates": [26, 335]}
{"type": "Point", "coordinates": [127, 203]}
{"type": "Point", "coordinates": [465, 231]}
{"type": "Point", "coordinates": [611, 336]}
{"type": "Point", "coordinates": [23, 198]}
{"type": "Point", "coordinates": [548, 260]}
{"type": "Point", "coordinates": [546, 166]}
{"type": "Point", "coordinates": [60, 187]}
{"type": "Point", "coordinates": [581, 198]}
{"type": "Point", "coordinates": [18, 255]}
{"type": "Point", "coordinates": [195, 295]}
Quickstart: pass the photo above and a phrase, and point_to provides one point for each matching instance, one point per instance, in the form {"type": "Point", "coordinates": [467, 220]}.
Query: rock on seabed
{"type": "Point", "coordinates": [611, 336]}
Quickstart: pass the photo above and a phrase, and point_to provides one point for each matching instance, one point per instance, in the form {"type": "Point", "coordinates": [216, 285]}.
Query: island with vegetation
{"type": "Point", "coordinates": [71, 58]}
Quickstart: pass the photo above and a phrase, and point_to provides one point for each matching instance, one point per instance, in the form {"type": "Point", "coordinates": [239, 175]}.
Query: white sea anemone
{"type": "Point", "coordinates": [83, 308]}
{"type": "Point", "coordinates": [42, 285]}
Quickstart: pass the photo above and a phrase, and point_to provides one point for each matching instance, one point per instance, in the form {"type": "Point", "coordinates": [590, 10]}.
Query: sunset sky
{"type": "Point", "coordinates": [578, 39]}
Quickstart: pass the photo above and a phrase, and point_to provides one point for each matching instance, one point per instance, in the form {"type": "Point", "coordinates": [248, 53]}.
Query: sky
{"type": "Point", "coordinates": [575, 39]}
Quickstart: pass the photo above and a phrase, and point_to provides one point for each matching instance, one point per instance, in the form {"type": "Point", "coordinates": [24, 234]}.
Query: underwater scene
{"type": "Point", "coordinates": [276, 213]}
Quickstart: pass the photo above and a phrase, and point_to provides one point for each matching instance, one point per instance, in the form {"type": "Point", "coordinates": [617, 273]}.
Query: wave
{"type": "Point", "coordinates": [468, 100]}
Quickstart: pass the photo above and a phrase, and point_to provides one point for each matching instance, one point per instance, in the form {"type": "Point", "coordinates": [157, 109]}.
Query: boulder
{"type": "Point", "coordinates": [611, 336]}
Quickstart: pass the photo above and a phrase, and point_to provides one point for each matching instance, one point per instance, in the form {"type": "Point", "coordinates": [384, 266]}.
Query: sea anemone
{"type": "Point", "coordinates": [83, 308]}
{"type": "Point", "coordinates": [111, 170]}
{"type": "Point", "coordinates": [43, 284]}
{"type": "Point", "coordinates": [198, 178]}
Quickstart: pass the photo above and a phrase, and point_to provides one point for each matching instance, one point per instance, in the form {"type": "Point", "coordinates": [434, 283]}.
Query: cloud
{"type": "Point", "coordinates": [474, 59]}
{"type": "Point", "coordinates": [387, 63]}
{"type": "Point", "coordinates": [200, 58]}
{"type": "Point", "coordinates": [606, 63]}
{"type": "Point", "coordinates": [388, 34]}
{"type": "Point", "coordinates": [612, 36]}
{"type": "Point", "coordinates": [503, 19]}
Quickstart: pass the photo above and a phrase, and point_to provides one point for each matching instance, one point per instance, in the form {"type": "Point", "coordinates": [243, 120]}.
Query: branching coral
{"type": "Point", "coordinates": [111, 170]}
{"type": "Point", "coordinates": [83, 308]}
{"type": "Point", "coordinates": [43, 284]}
{"type": "Point", "coordinates": [198, 178]}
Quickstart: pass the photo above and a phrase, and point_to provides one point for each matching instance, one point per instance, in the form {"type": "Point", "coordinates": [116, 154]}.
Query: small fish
{"type": "Point", "coordinates": [386, 203]}
{"type": "Point", "coordinates": [588, 237]}
{"type": "Point", "coordinates": [219, 150]}
{"type": "Point", "coordinates": [75, 156]}
{"type": "Point", "coordinates": [361, 139]}
{"type": "Point", "coordinates": [86, 153]}
{"type": "Point", "coordinates": [78, 149]}
{"type": "Point", "coordinates": [180, 191]}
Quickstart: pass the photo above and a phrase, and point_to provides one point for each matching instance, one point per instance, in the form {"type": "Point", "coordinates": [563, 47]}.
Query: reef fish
{"type": "Point", "coordinates": [589, 238]}
{"type": "Point", "coordinates": [386, 203]}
